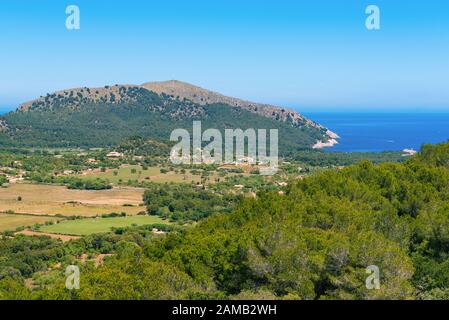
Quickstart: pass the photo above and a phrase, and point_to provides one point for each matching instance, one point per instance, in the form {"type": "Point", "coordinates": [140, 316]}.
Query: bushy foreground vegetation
{"type": "Point", "coordinates": [313, 242]}
{"type": "Point", "coordinates": [318, 158]}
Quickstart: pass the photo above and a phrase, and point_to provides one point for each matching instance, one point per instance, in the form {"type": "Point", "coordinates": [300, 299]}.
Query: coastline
{"type": "Point", "coordinates": [379, 132]}
{"type": "Point", "coordinates": [329, 143]}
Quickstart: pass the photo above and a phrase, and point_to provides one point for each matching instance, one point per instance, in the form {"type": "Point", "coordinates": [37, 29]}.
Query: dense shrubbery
{"type": "Point", "coordinates": [184, 202]}
{"type": "Point", "coordinates": [22, 257]}
{"type": "Point", "coordinates": [318, 158]}
{"type": "Point", "coordinates": [138, 146]}
{"type": "Point", "coordinates": [74, 182]}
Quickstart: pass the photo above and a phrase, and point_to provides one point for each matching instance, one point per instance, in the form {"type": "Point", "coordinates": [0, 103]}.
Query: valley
{"type": "Point", "coordinates": [223, 159]}
{"type": "Point", "coordinates": [86, 180]}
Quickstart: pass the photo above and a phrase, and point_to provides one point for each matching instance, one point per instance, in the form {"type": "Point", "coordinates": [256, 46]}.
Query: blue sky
{"type": "Point", "coordinates": [311, 55]}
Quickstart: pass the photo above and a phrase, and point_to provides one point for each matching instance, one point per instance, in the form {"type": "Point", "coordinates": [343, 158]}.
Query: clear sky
{"type": "Point", "coordinates": [310, 55]}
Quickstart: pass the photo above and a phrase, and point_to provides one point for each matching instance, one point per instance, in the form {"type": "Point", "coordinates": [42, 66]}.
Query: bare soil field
{"type": "Point", "coordinates": [52, 200]}
{"type": "Point", "coordinates": [62, 237]}
{"type": "Point", "coordinates": [9, 222]}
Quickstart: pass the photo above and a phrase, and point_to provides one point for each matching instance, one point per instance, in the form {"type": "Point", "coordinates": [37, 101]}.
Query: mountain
{"type": "Point", "coordinates": [203, 97]}
{"type": "Point", "coordinates": [95, 117]}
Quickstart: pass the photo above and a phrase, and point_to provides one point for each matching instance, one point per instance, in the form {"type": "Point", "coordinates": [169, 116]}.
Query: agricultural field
{"type": "Point", "coordinates": [82, 227]}
{"type": "Point", "coordinates": [52, 200]}
{"type": "Point", "coordinates": [136, 172]}
{"type": "Point", "coordinates": [63, 237]}
{"type": "Point", "coordinates": [9, 222]}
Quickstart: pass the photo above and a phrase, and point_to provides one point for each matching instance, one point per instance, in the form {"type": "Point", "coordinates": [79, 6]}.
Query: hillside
{"type": "Point", "coordinates": [203, 97]}
{"type": "Point", "coordinates": [313, 241]}
{"type": "Point", "coordinates": [92, 117]}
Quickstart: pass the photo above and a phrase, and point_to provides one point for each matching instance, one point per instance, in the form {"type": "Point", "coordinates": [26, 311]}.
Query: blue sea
{"type": "Point", "coordinates": [376, 132]}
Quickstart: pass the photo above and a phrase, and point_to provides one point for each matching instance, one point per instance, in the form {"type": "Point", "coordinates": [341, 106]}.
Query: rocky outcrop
{"type": "Point", "coordinates": [3, 125]}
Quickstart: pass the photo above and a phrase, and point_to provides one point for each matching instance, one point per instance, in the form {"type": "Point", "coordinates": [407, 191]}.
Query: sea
{"type": "Point", "coordinates": [377, 132]}
{"type": "Point", "coordinates": [6, 108]}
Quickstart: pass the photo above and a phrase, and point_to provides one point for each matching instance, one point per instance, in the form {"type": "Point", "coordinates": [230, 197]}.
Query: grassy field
{"type": "Point", "coordinates": [153, 174]}
{"type": "Point", "coordinates": [49, 199]}
{"type": "Point", "coordinates": [9, 222]}
{"type": "Point", "coordinates": [98, 225]}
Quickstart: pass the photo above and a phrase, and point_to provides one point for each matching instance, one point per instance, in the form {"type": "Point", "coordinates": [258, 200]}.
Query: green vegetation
{"type": "Point", "coordinates": [312, 241]}
{"type": "Point", "coordinates": [138, 146]}
{"type": "Point", "coordinates": [77, 121]}
{"type": "Point", "coordinates": [224, 232]}
{"type": "Point", "coordinates": [75, 182]}
{"type": "Point", "coordinates": [99, 225]}
{"type": "Point", "coordinates": [318, 158]}
{"type": "Point", "coordinates": [22, 256]}
{"type": "Point", "coordinates": [183, 203]}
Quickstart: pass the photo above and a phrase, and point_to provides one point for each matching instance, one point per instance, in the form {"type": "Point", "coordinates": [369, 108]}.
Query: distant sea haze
{"type": "Point", "coordinates": [376, 132]}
